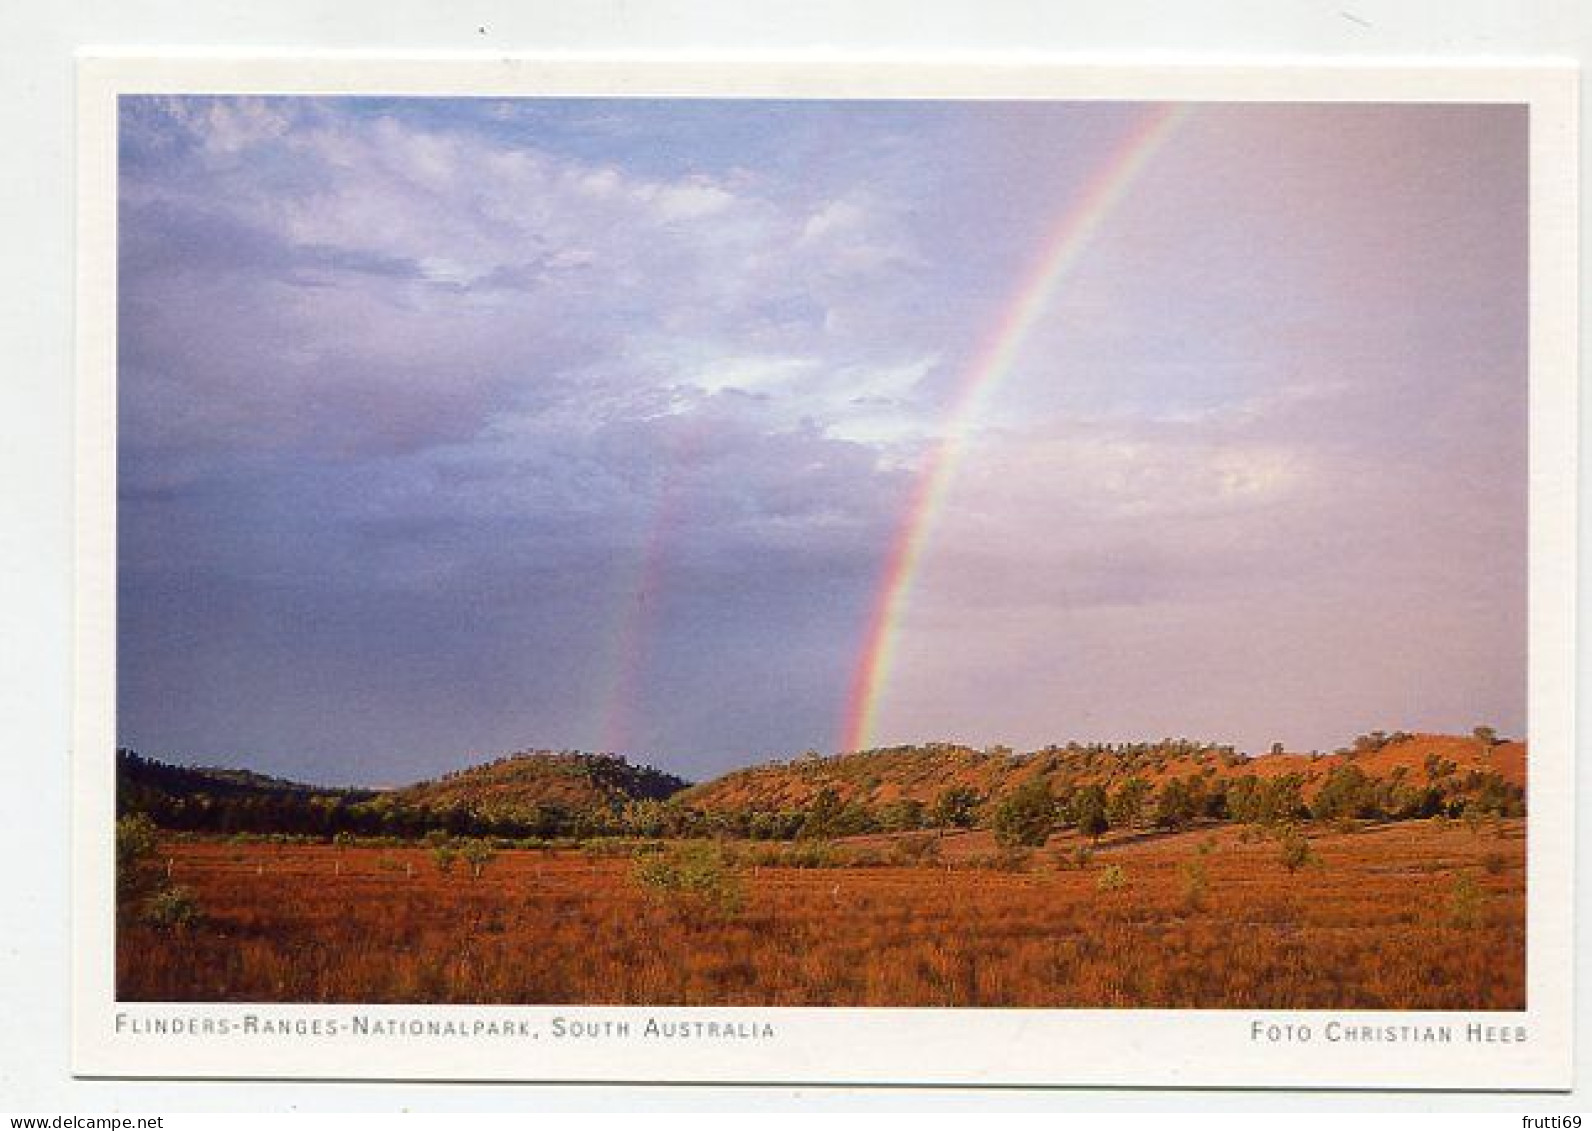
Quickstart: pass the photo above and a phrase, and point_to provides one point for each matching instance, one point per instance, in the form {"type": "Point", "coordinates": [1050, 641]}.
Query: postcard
{"type": "Point", "coordinates": [769, 572]}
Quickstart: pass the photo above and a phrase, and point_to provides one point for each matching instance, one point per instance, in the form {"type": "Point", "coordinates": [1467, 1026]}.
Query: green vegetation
{"type": "Point", "coordinates": [1466, 902]}
{"type": "Point", "coordinates": [954, 808]}
{"type": "Point", "coordinates": [916, 848]}
{"type": "Point", "coordinates": [173, 908]}
{"type": "Point", "coordinates": [135, 849]}
{"type": "Point", "coordinates": [1024, 817]}
{"type": "Point", "coordinates": [444, 856]}
{"type": "Point", "coordinates": [1128, 803]}
{"type": "Point", "coordinates": [696, 879]}
{"type": "Point", "coordinates": [1293, 849]}
{"type": "Point", "coordinates": [477, 854]}
{"type": "Point", "coordinates": [1089, 811]}
{"type": "Point", "coordinates": [143, 892]}
{"type": "Point", "coordinates": [1195, 882]}
{"type": "Point", "coordinates": [545, 799]}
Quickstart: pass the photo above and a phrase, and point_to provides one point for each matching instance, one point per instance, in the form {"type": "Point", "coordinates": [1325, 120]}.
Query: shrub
{"type": "Point", "coordinates": [813, 854]}
{"type": "Point", "coordinates": [1075, 859]}
{"type": "Point", "coordinates": [1466, 902]}
{"type": "Point", "coordinates": [1012, 858]}
{"type": "Point", "coordinates": [1196, 880]}
{"type": "Point", "coordinates": [478, 854]}
{"type": "Point", "coordinates": [135, 848]}
{"type": "Point", "coordinates": [444, 856]}
{"type": "Point", "coordinates": [606, 847]}
{"type": "Point", "coordinates": [1294, 850]}
{"type": "Point", "coordinates": [694, 879]}
{"type": "Point", "coordinates": [865, 858]}
{"type": "Point", "coordinates": [1113, 877]}
{"type": "Point", "coordinates": [173, 908]}
{"type": "Point", "coordinates": [916, 848]}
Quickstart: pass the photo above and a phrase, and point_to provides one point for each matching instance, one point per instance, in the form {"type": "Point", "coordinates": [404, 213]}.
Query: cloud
{"type": "Point", "coordinates": [422, 400]}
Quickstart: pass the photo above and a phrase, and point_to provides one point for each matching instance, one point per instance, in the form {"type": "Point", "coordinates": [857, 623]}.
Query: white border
{"type": "Point", "coordinates": [981, 1047]}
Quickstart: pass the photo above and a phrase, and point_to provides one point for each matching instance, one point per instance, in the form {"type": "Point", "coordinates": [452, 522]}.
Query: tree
{"type": "Point", "coordinates": [954, 808]}
{"type": "Point", "coordinates": [1283, 799]}
{"type": "Point", "coordinates": [823, 815]}
{"type": "Point", "coordinates": [1214, 803]}
{"type": "Point", "coordinates": [1245, 799]}
{"type": "Point", "coordinates": [646, 817]}
{"type": "Point", "coordinates": [901, 816]}
{"type": "Point", "coordinates": [1089, 811]}
{"type": "Point", "coordinates": [1024, 816]}
{"type": "Point", "coordinates": [1127, 804]}
{"type": "Point", "coordinates": [1175, 805]}
{"type": "Point", "coordinates": [854, 819]}
{"type": "Point", "coordinates": [1348, 792]}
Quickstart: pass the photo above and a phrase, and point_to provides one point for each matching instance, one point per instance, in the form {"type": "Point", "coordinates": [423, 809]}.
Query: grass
{"type": "Point", "coordinates": [1397, 917]}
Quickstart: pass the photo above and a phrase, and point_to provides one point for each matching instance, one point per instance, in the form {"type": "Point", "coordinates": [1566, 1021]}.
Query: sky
{"type": "Point", "coordinates": [455, 427]}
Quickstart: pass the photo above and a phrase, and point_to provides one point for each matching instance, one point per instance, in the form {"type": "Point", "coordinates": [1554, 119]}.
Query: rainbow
{"type": "Point", "coordinates": [636, 623]}
{"type": "Point", "coordinates": [638, 616]}
{"type": "Point", "coordinates": [1087, 213]}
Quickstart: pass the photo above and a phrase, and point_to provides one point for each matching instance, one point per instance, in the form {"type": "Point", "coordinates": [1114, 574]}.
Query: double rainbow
{"type": "Point", "coordinates": [1060, 253]}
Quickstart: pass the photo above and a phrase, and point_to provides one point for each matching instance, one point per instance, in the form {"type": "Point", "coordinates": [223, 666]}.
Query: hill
{"type": "Point", "coordinates": [528, 794]}
{"type": "Point", "coordinates": [227, 800]}
{"type": "Point", "coordinates": [553, 794]}
{"type": "Point", "coordinates": [570, 781]}
{"type": "Point", "coordinates": [143, 780]}
{"type": "Point", "coordinates": [1456, 766]}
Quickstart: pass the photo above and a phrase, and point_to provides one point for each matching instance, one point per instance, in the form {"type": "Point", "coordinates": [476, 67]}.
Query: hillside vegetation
{"type": "Point", "coordinates": [537, 793]}
{"type": "Point", "coordinates": [1169, 784]}
{"type": "Point", "coordinates": [1451, 766]}
{"type": "Point", "coordinates": [569, 781]}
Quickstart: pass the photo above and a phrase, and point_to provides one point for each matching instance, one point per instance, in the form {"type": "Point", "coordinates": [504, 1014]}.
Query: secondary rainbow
{"type": "Point", "coordinates": [639, 613]}
{"type": "Point", "coordinates": [1060, 251]}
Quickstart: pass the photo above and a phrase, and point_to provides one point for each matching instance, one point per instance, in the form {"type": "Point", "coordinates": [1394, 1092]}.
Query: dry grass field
{"type": "Point", "coordinates": [1398, 916]}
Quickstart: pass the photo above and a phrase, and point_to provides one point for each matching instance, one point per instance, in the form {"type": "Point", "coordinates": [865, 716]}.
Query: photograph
{"type": "Point", "coordinates": [702, 564]}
